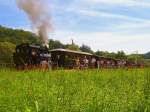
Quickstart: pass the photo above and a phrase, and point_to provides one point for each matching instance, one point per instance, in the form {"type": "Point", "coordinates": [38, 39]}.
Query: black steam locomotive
{"type": "Point", "coordinates": [28, 55]}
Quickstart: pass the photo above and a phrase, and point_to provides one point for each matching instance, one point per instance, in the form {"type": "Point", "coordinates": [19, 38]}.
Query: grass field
{"type": "Point", "coordinates": [75, 91]}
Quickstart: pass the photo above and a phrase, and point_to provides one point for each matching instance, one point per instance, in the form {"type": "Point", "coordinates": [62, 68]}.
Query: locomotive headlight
{"type": "Point", "coordinates": [33, 53]}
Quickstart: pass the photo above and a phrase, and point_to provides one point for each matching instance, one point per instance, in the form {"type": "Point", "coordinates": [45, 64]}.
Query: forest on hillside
{"type": "Point", "coordinates": [9, 38]}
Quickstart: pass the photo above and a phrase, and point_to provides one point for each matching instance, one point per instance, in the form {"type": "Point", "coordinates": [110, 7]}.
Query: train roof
{"type": "Point", "coordinates": [79, 52]}
{"type": "Point", "coordinates": [35, 46]}
{"type": "Point", "coordinates": [28, 45]}
{"type": "Point", "coordinates": [71, 51]}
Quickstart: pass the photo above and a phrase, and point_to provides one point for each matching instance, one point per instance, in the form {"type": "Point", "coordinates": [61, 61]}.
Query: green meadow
{"type": "Point", "coordinates": [120, 90]}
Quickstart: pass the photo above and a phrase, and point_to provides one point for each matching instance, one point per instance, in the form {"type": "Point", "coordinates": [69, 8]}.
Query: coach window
{"type": "Point", "coordinates": [17, 50]}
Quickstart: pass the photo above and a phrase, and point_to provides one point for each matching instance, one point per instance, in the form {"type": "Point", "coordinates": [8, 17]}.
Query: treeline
{"type": "Point", "coordinates": [9, 38]}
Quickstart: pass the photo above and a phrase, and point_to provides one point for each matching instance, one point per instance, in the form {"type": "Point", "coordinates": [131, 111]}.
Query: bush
{"type": "Point", "coordinates": [6, 52]}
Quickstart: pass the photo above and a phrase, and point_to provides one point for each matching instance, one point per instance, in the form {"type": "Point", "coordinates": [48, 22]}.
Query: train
{"type": "Point", "coordinates": [29, 56]}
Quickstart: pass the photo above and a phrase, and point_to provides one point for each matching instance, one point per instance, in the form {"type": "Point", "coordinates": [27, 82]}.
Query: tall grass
{"type": "Point", "coordinates": [75, 91]}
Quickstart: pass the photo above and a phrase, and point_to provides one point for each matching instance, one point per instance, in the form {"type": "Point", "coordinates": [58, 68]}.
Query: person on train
{"type": "Point", "coordinates": [86, 62]}
{"type": "Point", "coordinates": [77, 63]}
{"type": "Point", "coordinates": [44, 64]}
{"type": "Point", "coordinates": [98, 64]}
{"type": "Point", "coordinates": [50, 64]}
{"type": "Point", "coordinates": [93, 62]}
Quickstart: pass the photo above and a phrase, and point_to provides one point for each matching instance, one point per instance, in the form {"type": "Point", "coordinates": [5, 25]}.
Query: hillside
{"type": "Point", "coordinates": [16, 36]}
{"type": "Point", "coordinates": [147, 55]}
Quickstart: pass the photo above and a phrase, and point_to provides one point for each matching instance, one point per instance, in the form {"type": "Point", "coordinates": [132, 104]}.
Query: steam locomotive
{"type": "Point", "coordinates": [28, 55]}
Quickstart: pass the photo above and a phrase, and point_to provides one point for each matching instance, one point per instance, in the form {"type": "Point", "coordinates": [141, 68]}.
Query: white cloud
{"type": "Point", "coordinates": [107, 41]}
{"type": "Point", "coordinates": [128, 26]}
{"type": "Point", "coordinates": [128, 22]}
{"type": "Point", "coordinates": [128, 3]}
{"type": "Point", "coordinates": [110, 15]}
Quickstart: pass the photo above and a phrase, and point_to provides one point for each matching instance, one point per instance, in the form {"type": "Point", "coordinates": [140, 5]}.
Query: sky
{"type": "Point", "coordinates": [105, 25]}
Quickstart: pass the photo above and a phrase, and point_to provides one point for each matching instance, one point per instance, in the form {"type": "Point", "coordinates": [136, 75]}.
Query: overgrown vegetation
{"type": "Point", "coordinates": [75, 91]}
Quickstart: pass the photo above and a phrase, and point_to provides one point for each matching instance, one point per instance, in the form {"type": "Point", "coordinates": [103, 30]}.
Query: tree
{"type": "Point", "coordinates": [6, 52]}
{"type": "Point", "coordinates": [86, 48]}
{"type": "Point", "coordinates": [136, 58]}
{"type": "Point", "coordinates": [99, 53]}
{"type": "Point", "coordinates": [121, 55]}
{"type": "Point", "coordinates": [103, 53]}
{"type": "Point", "coordinates": [73, 47]}
{"type": "Point", "coordinates": [55, 44]}
{"type": "Point", "coordinates": [147, 55]}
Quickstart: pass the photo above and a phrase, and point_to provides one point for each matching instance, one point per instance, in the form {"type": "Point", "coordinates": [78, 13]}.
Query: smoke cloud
{"type": "Point", "coordinates": [38, 13]}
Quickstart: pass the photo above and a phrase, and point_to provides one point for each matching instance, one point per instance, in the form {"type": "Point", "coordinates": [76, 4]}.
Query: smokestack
{"type": "Point", "coordinates": [39, 15]}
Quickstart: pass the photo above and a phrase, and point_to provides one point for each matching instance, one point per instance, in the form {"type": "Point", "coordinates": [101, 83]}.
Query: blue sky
{"type": "Point", "coordinates": [108, 25]}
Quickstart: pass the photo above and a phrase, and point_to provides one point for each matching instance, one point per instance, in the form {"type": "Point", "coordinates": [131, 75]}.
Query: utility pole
{"type": "Point", "coordinates": [136, 57]}
{"type": "Point", "coordinates": [72, 41]}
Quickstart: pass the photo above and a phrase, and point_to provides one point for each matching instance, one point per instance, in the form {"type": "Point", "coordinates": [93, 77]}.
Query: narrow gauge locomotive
{"type": "Point", "coordinates": [33, 56]}
{"type": "Point", "coordinates": [29, 56]}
